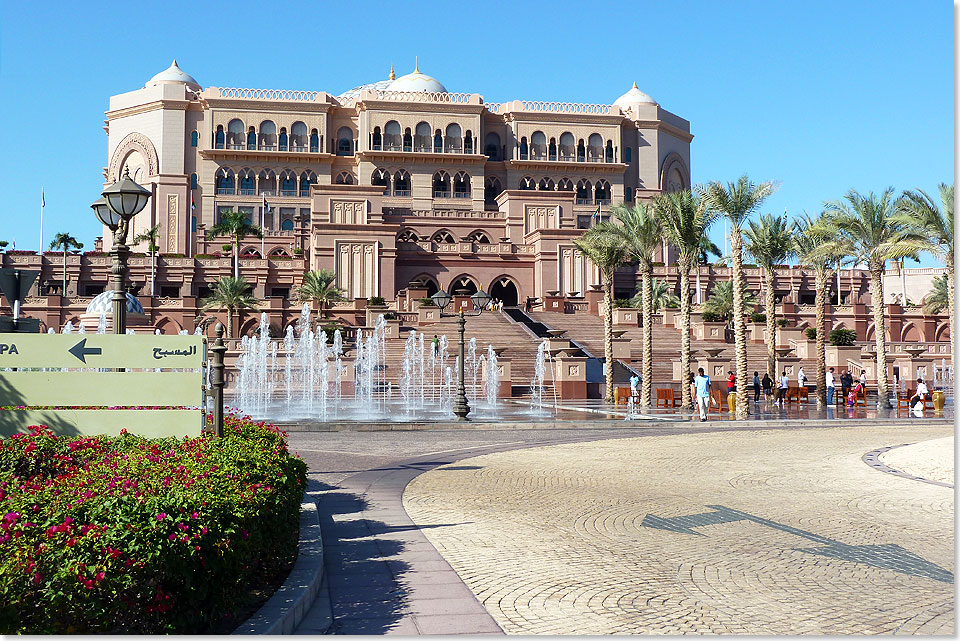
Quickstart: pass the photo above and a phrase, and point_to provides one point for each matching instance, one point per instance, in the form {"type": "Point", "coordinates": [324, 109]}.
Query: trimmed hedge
{"type": "Point", "coordinates": [103, 535]}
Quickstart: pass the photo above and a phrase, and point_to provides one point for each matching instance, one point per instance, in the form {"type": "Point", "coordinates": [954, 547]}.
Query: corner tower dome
{"type": "Point", "coordinates": [633, 97]}
{"type": "Point", "coordinates": [173, 74]}
{"type": "Point", "coordinates": [417, 81]}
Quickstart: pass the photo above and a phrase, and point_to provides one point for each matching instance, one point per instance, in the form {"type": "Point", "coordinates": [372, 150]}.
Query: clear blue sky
{"type": "Point", "coordinates": [821, 96]}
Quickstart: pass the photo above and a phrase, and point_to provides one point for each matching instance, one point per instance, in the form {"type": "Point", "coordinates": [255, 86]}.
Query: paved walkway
{"type": "Point", "coordinates": [750, 532]}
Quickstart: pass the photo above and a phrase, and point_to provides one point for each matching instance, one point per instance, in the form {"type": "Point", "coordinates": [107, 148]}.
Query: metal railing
{"type": "Point", "coordinates": [461, 194]}
{"type": "Point", "coordinates": [441, 194]}
{"type": "Point", "coordinates": [401, 193]}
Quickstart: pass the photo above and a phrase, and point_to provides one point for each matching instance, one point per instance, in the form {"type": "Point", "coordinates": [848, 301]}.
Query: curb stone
{"type": "Point", "coordinates": [289, 604]}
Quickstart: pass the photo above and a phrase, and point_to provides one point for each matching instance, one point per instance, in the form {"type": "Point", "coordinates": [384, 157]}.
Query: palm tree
{"type": "Point", "coordinates": [736, 201]}
{"type": "Point", "coordinates": [930, 229]}
{"type": "Point", "coordinates": [604, 245]}
{"type": "Point", "coordinates": [236, 225]}
{"type": "Point", "coordinates": [720, 302]}
{"type": "Point", "coordinates": [660, 296]}
{"type": "Point", "coordinates": [643, 235]}
{"type": "Point", "coordinates": [66, 242]}
{"type": "Point", "coordinates": [319, 286]}
{"type": "Point", "coordinates": [150, 237]}
{"type": "Point", "coordinates": [939, 296]}
{"type": "Point", "coordinates": [812, 233]}
{"type": "Point", "coordinates": [770, 242]}
{"type": "Point", "coordinates": [231, 294]}
{"type": "Point", "coordinates": [868, 231]}
{"type": "Point", "coordinates": [685, 218]}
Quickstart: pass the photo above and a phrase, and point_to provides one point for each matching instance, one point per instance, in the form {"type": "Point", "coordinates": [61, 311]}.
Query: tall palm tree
{"type": "Point", "coordinates": [319, 286]}
{"type": "Point", "coordinates": [930, 230]}
{"type": "Point", "coordinates": [685, 218]}
{"type": "Point", "coordinates": [736, 201]}
{"type": "Point", "coordinates": [720, 301]}
{"type": "Point", "coordinates": [235, 224]}
{"type": "Point", "coordinates": [812, 234]}
{"type": "Point", "coordinates": [604, 245]}
{"type": "Point", "coordinates": [66, 242]}
{"type": "Point", "coordinates": [868, 231]}
{"type": "Point", "coordinates": [150, 236]}
{"type": "Point", "coordinates": [770, 242]}
{"type": "Point", "coordinates": [232, 294]}
{"type": "Point", "coordinates": [643, 235]}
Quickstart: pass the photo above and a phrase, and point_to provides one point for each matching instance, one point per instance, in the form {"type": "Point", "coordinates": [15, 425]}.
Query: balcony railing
{"type": "Point", "coordinates": [247, 192]}
{"type": "Point", "coordinates": [267, 192]}
{"type": "Point", "coordinates": [281, 147]}
{"type": "Point", "coordinates": [391, 147]}
{"type": "Point", "coordinates": [401, 193]}
{"type": "Point", "coordinates": [268, 148]}
{"type": "Point", "coordinates": [441, 194]}
{"type": "Point", "coordinates": [236, 147]}
{"type": "Point", "coordinates": [602, 201]}
{"type": "Point", "coordinates": [461, 194]}
{"type": "Point", "coordinates": [288, 192]}
{"type": "Point", "coordinates": [222, 191]}
{"type": "Point", "coordinates": [376, 147]}
{"type": "Point", "coordinates": [298, 148]}
{"type": "Point", "coordinates": [584, 201]}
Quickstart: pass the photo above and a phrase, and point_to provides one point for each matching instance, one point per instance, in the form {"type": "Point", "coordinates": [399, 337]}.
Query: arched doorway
{"type": "Point", "coordinates": [427, 281]}
{"type": "Point", "coordinates": [504, 290]}
{"type": "Point", "coordinates": [463, 286]}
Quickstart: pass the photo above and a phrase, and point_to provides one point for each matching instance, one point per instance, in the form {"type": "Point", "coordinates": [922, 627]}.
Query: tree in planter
{"type": "Point", "coordinates": [151, 236]}
{"type": "Point", "coordinates": [770, 242]}
{"type": "Point", "coordinates": [3, 245]}
{"type": "Point", "coordinates": [737, 201]}
{"type": "Point", "coordinates": [841, 337]}
{"type": "Point", "coordinates": [719, 304]}
{"type": "Point", "coordinates": [66, 242]}
{"type": "Point", "coordinates": [605, 246]}
{"type": "Point", "coordinates": [661, 297]}
{"type": "Point", "coordinates": [320, 286]}
{"type": "Point", "coordinates": [685, 218]}
{"type": "Point", "coordinates": [235, 224]}
{"type": "Point", "coordinates": [232, 294]}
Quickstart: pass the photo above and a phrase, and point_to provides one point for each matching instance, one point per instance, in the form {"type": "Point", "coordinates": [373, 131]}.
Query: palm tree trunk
{"type": "Point", "coordinates": [64, 269]}
{"type": "Point", "coordinates": [823, 281]}
{"type": "Point", "coordinates": [739, 324]}
{"type": "Point", "coordinates": [236, 258]}
{"type": "Point", "coordinates": [229, 322]}
{"type": "Point", "coordinates": [770, 303]}
{"type": "Point", "coordinates": [608, 334]}
{"type": "Point", "coordinates": [646, 385]}
{"type": "Point", "coordinates": [153, 274]}
{"type": "Point", "coordinates": [951, 299]}
{"type": "Point", "coordinates": [880, 335]}
{"type": "Point", "coordinates": [683, 265]}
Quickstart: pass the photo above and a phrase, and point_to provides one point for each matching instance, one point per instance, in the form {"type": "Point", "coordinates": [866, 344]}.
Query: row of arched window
{"type": "Point", "coordinates": [266, 137]}
{"type": "Point", "coordinates": [442, 236]}
{"type": "Point", "coordinates": [587, 193]}
{"type": "Point", "coordinates": [423, 138]}
{"type": "Point", "coordinates": [267, 182]}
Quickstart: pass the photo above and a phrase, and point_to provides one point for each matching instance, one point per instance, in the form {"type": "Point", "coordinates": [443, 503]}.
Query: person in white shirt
{"type": "Point", "coordinates": [801, 378]}
{"type": "Point", "coordinates": [916, 401]}
{"type": "Point", "coordinates": [831, 386]}
{"type": "Point", "coordinates": [782, 390]}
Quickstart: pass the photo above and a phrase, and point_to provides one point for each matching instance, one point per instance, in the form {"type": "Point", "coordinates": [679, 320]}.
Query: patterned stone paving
{"type": "Point", "coordinates": [764, 532]}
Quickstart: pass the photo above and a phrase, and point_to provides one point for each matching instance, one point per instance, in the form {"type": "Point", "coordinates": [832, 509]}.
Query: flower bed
{"type": "Point", "coordinates": [139, 536]}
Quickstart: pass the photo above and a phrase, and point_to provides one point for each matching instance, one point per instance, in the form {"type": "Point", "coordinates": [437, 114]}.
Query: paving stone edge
{"type": "Point", "coordinates": [291, 602]}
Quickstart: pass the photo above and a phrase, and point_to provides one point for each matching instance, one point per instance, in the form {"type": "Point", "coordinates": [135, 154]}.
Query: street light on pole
{"type": "Point", "coordinates": [480, 301]}
{"type": "Point", "coordinates": [120, 202]}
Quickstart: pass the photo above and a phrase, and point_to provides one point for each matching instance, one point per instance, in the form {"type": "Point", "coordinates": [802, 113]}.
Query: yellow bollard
{"type": "Point", "coordinates": [939, 400]}
{"type": "Point", "coordinates": [732, 402]}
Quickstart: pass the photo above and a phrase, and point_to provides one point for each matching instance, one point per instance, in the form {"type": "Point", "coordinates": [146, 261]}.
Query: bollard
{"type": "Point", "coordinates": [732, 402]}
{"type": "Point", "coordinates": [217, 381]}
{"type": "Point", "coordinates": [939, 400]}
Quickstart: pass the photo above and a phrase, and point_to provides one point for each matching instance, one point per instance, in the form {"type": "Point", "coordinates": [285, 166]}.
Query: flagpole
{"type": "Point", "coordinates": [43, 202]}
{"type": "Point", "coordinates": [263, 213]}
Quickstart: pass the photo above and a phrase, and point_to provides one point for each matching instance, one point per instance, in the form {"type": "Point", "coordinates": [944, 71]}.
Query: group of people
{"type": "Point", "coordinates": [849, 388]}
{"type": "Point", "coordinates": [496, 305]}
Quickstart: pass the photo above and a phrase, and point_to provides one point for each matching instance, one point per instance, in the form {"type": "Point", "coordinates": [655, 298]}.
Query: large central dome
{"type": "Point", "coordinates": [417, 81]}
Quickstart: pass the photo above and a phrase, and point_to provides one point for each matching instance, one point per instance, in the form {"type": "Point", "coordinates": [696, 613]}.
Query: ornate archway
{"type": "Point", "coordinates": [463, 282]}
{"type": "Point", "coordinates": [505, 290]}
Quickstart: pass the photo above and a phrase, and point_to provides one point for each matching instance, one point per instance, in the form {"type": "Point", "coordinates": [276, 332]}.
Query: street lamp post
{"type": "Point", "coordinates": [480, 301]}
{"type": "Point", "coordinates": [120, 202]}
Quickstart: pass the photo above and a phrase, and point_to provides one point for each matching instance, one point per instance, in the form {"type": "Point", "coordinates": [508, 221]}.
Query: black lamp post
{"type": "Point", "coordinates": [121, 201]}
{"type": "Point", "coordinates": [480, 301]}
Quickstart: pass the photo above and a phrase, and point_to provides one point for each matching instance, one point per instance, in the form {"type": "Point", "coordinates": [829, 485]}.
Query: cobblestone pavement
{"type": "Point", "coordinates": [930, 459]}
{"type": "Point", "coordinates": [763, 532]}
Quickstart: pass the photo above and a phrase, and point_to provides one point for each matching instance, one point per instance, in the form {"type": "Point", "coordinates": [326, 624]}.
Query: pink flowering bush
{"type": "Point", "coordinates": [138, 536]}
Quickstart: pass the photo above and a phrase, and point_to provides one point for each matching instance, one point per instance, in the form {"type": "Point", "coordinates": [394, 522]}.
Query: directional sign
{"type": "Point", "coordinates": [888, 556]}
{"type": "Point", "coordinates": [101, 350]}
{"type": "Point", "coordinates": [15, 283]}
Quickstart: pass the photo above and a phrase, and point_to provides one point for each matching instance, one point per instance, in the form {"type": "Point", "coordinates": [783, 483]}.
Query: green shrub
{"type": "Point", "coordinates": [811, 333]}
{"type": "Point", "coordinates": [842, 337]}
{"type": "Point", "coordinates": [783, 322]}
{"type": "Point", "coordinates": [390, 316]}
{"type": "Point", "coordinates": [298, 252]}
{"type": "Point", "coordinates": [621, 302]}
{"type": "Point", "coordinates": [127, 535]}
{"type": "Point", "coordinates": [711, 317]}
{"type": "Point", "coordinates": [758, 317]}
{"type": "Point", "coordinates": [227, 248]}
{"type": "Point", "coordinates": [426, 301]}
{"type": "Point", "coordinates": [330, 329]}
{"type": "Point", "coordinates": [376, 301]}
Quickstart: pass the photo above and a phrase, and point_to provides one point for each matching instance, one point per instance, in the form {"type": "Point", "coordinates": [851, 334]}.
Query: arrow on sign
{"type": "Point", "coordinates": [81, 351]}
{"type": "Point", "coordinates": [887, 556]}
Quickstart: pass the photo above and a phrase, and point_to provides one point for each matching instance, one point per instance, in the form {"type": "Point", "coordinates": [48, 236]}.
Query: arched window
{"type": "Point", "coordinates": [491, 189]}
{"type": "Point", "coordinates": [491, 146]}
{"type": "Point", "coordinates": [453, 142]}
{"type": "Point", "coordinates": [552, 149]}
{"type": "Point", "coordinates": [345, 141]}
{"type": "Point", "coordinates": [219, 140]}
{"type": "Point", "coordinates": [461, 185]}
{"type": "Point", "coordinates": [225, 183]}
{"type": "Point", "coordinates": [283, 140]}
{"type": "Point", "coordinates": [441, 184]}
{"type": "Point", "coordinates": [194, 139]}
{"type": "Point", "coordinates": [627, 154]}
{"type": "Point", "coordinates": [279, 252]}
{"type": "Point", "coordinates": [602, 192]}
{"type": "Point", "coordinates": [609, 151]}
{"type": "Point", "coordinates": [584, 193]}
{"type": "Point", "coordinates": [565, 184]}
{"type": "Point", "coordinates": [235, 134]}
{"type": "Point", "coordinates": [443, 236]}
{"type": "Point", "coordinates": [391, 136]}
{"type": "Point", "coordinates": [268, 136]}
{"type": "Point", "coordinates": [298, 136]}
{"type": "Point", "coordinates": [381, 178]}
{"type": "Point", "coordinates": [307, 178]}
{"type": "Point", "coordinates": [407, 140]}
{"type": "Point", "coordinates": [401, 184]}
{"type": "Point", "coordinates": [581, 151]}
{"type": "Point", "coordinates": [286, 224]}
{"type": "Point", "coordinates": [193, 181]}
{"type": "Point", "coordinates": [479, 237]}
{"type": "Point", "coordinates": [545, 184]}
{"type": "Point", "coordinates": [527, 184]}
{"type": "Point", "coordinates": [251, 139]}
{"type": "Point", "coordinates": [267, 183]}
{"type": "Point", "coordinates": [437, 142]}
{"type": "Point", "coordinates": [314, 141]}
{"type": "Point", "coordinates": [344, 178]}
{"type": "Point", "coordinates": [595, 148]}
{"type": "Point", "coordinates": [468, 142]}
{"type": "Point", "coordinates": [407, 236]}
{"type": "Point", "coordinates": [538, 146]}
{"type": "Point", "coordinates": [568, 147]}
{"type": "Point", "coordinates": [422, 141]}
{"type": "Point", "coordinates": [376, 140]}
{"type": "Point", "coordinates": [288, 183]}
{"type": "Point", "coordinates": [524, 152]}
{"type": "Point", "coordinates": [248, 185]}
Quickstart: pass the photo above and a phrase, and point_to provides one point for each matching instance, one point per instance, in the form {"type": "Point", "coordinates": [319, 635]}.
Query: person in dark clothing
{"type": "Point", "coordinates": [756, 387]}
{"type": "Point", "coordinates": [767, 384]}
{"type": "Point", "coordinates": [846, 382]}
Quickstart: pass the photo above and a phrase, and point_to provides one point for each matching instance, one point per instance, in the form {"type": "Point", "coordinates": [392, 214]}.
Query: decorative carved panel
{"type": "Point", "coordinates": [358, 268]}
{"type": "Point", "coordinates": [173, 210]}
{"type": "Point", "coordinates": [539, 217]}
{"type": "Point", "coordinates": [348, 212]}
{"type": "Point", "coordinates": [576, 272]}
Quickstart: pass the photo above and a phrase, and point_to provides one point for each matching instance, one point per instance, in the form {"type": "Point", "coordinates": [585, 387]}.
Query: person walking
{"type": "Point", "coordinates": [831, 386]}
{"type": "Point", "coordinates": [436, 345]}
{"type": "Point", "coordinates": [767, 384]}
{"type": "Point", "coordinates": [782, 390]}
{"type": "Point", "coordinates": [801, 378]}
{"type": "Point", "coordinates": [702, 389]}
{"type": "Point", "coordinates": [756, 387]}
{"type": "Point", "coordinates": [731, 382]}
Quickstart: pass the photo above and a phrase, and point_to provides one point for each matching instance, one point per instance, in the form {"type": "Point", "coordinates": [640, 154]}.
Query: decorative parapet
{"type": "Point", "coordinates": [426, 96]}
{"type": "Point", "coordinates": [554, 107]}
{"type": "Point", "coordinates": [268, 94]}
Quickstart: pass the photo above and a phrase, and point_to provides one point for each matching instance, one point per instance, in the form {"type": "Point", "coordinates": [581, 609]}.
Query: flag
{"type": "Point", "coordinates": [43, 200]}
